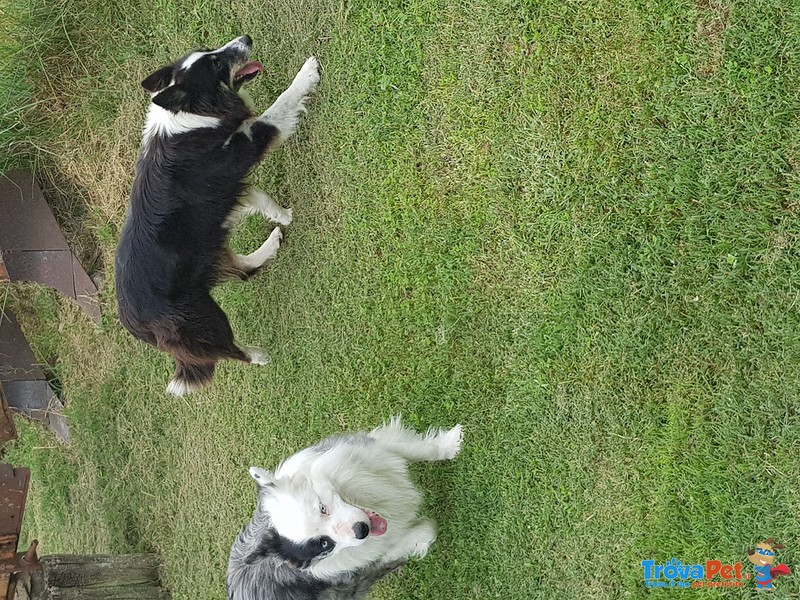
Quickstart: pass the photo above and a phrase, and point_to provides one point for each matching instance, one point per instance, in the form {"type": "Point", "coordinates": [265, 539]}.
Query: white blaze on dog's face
{"type": "Point", "coordinates": [313, 519]}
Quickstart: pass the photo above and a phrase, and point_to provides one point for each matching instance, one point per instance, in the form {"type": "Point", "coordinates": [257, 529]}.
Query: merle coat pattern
{"type": "Point", "coordinates": [336, 517]}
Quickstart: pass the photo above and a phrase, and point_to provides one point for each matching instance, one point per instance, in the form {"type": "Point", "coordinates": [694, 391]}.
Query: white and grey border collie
{"type": "Point", "coordinates": [336, 517]}
{"type": "Point", "coordinates": [200, 140]}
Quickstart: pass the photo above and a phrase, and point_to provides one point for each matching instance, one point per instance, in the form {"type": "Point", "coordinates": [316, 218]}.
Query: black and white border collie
{"type": "Point", "coordinates": [336, 517]}
{"type": "Point", "coordinates": [200, 140]}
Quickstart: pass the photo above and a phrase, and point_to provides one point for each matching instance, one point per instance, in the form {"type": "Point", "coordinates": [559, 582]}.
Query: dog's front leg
{"type": "Point", "coordinates": [269, 130]}
{"type": "Point", "coordinates": [284, 114]}
{"type": "Point", "coordinates": [415, 542]}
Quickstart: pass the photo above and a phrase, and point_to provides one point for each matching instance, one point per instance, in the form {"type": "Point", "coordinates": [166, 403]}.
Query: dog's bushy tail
{"type": "Point", "coordinates": [190, 376]}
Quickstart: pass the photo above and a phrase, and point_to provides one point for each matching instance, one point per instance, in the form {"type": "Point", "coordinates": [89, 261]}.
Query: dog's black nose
{"type": "Point", "coordinates": [361, 530]}
{"type": "Point", "coordinates": [247, 40]}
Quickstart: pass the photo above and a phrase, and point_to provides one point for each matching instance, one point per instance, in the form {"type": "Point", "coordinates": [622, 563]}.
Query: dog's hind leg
{"type": "Point", "coordinates": [284, 114]}
{"type": "Point", "coordinates": [200, 342]}
{"type": "Point", "coordinates": [242, 266]}
{"type": "Point", "coordinates": [190, 376]}
{"type": "Point", "coordinates": [256, 201]}
{"type": "Point", "coordinates": [436, 444]}
{"type": "Point", "coordinates": [257, 356]}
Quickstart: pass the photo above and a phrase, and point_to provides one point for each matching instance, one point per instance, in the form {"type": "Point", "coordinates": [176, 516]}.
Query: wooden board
{"type": "Point", "coordinates": [32, 246]}
{"type": "Point", "coordinates": [24, 383]}
{"type": "Point", "coordinates": [7, 430]}
{"type": "Point", "coordinates": [122, 577]}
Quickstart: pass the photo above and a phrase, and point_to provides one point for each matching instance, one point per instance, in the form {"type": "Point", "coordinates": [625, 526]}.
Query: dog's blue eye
{"type": "Point", "coordinates": [323, 509]}
{"type": "Point", "coordinates": [324, 543]}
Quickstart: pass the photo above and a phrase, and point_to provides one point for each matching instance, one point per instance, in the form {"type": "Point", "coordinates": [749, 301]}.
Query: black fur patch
{"type": "Point", "coordinates": [173, 243]}
{"type": "Point", "coordinates": [301, 555]}
{"type": "Point", "coordinates": [264, 574]}
{"type": "Point", "coordinates": [158, 80]}
{"type": "Point", "coordinates": [202, 89]}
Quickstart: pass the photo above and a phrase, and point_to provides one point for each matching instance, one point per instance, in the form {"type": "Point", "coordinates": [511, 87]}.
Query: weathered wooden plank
{"type": "Point", "coordinates": [66, 571]}
{"type": "Point", "coordinates": [130, 593]}
{"type": "Point", "coordinates": [8, 431]}
{"type": "Point", "coordinates": [33, 247]}
{"type": "Point", "coordinates": [122, 577]}
{"type": "Point", "coordinates": [24, 383]}
{"type": "Point", "coordinates": [27, 224]}
{"type": "Point", "coordinates": [17, 361]}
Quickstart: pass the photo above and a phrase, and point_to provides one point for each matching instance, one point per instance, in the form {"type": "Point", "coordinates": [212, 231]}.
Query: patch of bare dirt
{"type": "Point", "coordinates": [712, 23]}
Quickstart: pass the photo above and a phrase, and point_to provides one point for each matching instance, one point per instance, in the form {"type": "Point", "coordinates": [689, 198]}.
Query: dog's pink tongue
{"type": "Point", "coordinates": [377, 524]}
{"type": "Point", "coordinates": [252, 67]}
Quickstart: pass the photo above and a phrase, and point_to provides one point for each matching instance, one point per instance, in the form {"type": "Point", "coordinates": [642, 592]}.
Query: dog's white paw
{"type": "Point", "coordinates": [284, 217]}
{"type": "Point", "coordinates": [178, 388]}
{"type": "Point", "coordinates": [421, 549]}
{"type": "Point", "coordinates": [257, 355]}
{"type": "Point", "coordinates": [275, 237]}
{"type": "Point", "coordinates": [308, 76]}
{"type": "Point", "coordinates": [450, 442]}
{"type": "Point", "coordinates": [425, 535]}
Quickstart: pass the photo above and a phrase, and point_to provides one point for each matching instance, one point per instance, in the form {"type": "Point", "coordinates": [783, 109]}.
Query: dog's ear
{"type": "Point", "coordinates": [264, 479]}
{"type": "Point", "coordinates": [173, 98]}
{"type": "Point", "coordinates": [159, 80]}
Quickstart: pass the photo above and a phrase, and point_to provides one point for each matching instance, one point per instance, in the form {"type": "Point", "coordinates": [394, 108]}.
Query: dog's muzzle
{"type": "Point", "coordinates": [245, 70]}
{"type": "Point", "coordinates": [244, 43]}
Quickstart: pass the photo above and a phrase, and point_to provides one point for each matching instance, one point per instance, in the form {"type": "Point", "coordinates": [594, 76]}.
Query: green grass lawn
{"type": "Point", "coordinates": [571, 226]}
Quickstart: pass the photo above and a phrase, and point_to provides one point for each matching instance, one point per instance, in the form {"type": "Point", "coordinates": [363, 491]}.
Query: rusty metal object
{"type": "Point", "coordinates": [23, 382]}
{"type": "Point", "coordinates": [19, 564]}
{"type": "Point", "coordinates": [32, 247]}
{"type": "Point", "coordinates": [13, 494]}
{"type": "Point", "coordinates": [8, 550]}
{"type": "Point", "coordinates": [30, 555]}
